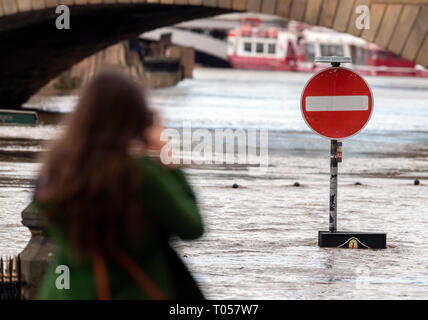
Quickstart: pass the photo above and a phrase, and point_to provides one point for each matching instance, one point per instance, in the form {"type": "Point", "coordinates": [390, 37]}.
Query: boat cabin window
{"type": "Point", "coordinates": [331, 50]}
{"type": "Point", "coordinates": [247, 46]}
{"type": "Point", "coordinates": [259, 47]}
{"type": "Point", "coordinates": [309, 52]}
{"type": "Point", "coordinates": [271, 48]}
{"type": "Point", "coordinates": [358, 55]}
{"type": "Point", "coordinates": [374, 54]}
{"type": "Point", "coordinates": [395, 56]}
{"type": "Point", "coordinates": [230, 44]}
{"type": "Point", "coordinates": [384, 55]}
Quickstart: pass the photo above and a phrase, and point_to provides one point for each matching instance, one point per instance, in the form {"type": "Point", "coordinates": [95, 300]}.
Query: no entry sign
{"type": "Point", "coordinates": [336, 103]}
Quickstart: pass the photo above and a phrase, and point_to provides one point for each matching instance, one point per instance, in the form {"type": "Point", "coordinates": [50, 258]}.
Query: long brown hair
{"type": "Point", "coordinates": [90, 180]}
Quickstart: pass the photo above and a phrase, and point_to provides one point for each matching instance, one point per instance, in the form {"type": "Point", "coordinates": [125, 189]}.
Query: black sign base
{"type": "Point", "coordinates": [353, 240]}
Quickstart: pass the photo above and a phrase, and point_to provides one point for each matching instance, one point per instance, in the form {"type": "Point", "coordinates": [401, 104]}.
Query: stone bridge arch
{"type": "Point", "coordinates": [33, 51]}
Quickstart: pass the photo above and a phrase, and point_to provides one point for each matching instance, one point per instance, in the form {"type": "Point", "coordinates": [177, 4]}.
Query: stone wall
{"type": "Point", "coordinates": [118, 57]}
{"type": "Point", "coordinates": [121, 57]}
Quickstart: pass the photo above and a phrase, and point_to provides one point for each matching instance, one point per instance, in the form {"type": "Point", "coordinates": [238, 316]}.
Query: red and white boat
{"type": "Point", "coordinates": [252, 47]}
{"type": "Point", "coordinates": [294, 49]}
{"type": "Point", "coordinates": [367, 58]}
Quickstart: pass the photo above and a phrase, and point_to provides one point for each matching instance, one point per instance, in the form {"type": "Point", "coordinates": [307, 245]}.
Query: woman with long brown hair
{"type": "Point", "coordinates": [110, 207]}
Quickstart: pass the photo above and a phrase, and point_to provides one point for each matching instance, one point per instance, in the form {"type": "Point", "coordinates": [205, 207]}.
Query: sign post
{"type": "Point", "coordinates": [333, 187]}
{"type": "Point", "coordinates": [337, 103]}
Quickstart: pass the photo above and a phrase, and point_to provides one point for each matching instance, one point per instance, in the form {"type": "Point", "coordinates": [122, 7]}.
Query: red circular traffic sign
{"type": "Point", "coordinates": [336, 103]}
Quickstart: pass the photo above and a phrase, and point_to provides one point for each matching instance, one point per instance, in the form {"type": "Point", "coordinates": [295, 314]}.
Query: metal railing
{"type": "Point", "coordinates": [10, 278]}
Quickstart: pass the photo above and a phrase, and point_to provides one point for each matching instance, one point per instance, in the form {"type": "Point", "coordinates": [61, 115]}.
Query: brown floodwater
{"type": "Point", "coordinates": [261, 238]}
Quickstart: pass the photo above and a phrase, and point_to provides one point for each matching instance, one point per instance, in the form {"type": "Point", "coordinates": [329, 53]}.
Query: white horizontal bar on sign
{"type": "Point", "coordinates": [337, 103]}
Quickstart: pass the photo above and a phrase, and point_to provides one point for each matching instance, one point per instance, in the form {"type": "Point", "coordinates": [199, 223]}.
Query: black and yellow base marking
{"type": "Point", "coordinates": [353, 240]}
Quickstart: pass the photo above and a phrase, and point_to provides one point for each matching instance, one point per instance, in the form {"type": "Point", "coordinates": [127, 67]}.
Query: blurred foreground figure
{"type": "Point", "coordinates": [110, 206]}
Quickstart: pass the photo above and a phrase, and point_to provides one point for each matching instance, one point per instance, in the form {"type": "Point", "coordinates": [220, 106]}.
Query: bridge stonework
{"type": "Point", "coordinates": [34, 51]}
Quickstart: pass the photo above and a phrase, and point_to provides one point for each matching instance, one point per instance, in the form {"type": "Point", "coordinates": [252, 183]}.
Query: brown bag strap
{"type": "Point", "coordinates": [143, 280]}
{"type": "Point", "coordinates": [139, 276]}
{"type": "Point", "coordinates": [101, 277]}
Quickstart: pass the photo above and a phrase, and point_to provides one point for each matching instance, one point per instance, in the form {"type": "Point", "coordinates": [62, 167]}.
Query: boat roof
{"type": "Point", "coordinates": [332, 37]}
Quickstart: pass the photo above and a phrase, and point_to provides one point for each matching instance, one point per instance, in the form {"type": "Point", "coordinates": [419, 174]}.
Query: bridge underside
{"type": "Point", "coordinates": [34, 51]}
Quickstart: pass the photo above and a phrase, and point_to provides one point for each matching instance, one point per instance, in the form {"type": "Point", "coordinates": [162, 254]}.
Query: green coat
{"type": "Point", "coordinates": [170, 205]}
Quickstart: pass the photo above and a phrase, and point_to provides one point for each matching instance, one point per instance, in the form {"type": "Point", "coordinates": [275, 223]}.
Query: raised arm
{"type": "Point", "coordinates": [169, 201]}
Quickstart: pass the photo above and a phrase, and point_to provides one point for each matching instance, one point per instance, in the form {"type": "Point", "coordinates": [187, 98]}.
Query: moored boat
{"type": "Point", "coordinates": [250, 46]}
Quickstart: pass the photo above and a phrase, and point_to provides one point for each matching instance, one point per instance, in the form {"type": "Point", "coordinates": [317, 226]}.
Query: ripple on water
{"type": "Point", "coordinates": [261, 239]}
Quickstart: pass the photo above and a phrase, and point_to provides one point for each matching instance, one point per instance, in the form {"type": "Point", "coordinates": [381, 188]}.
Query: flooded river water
{"type": "Point", "coordinates": [261, 238]}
